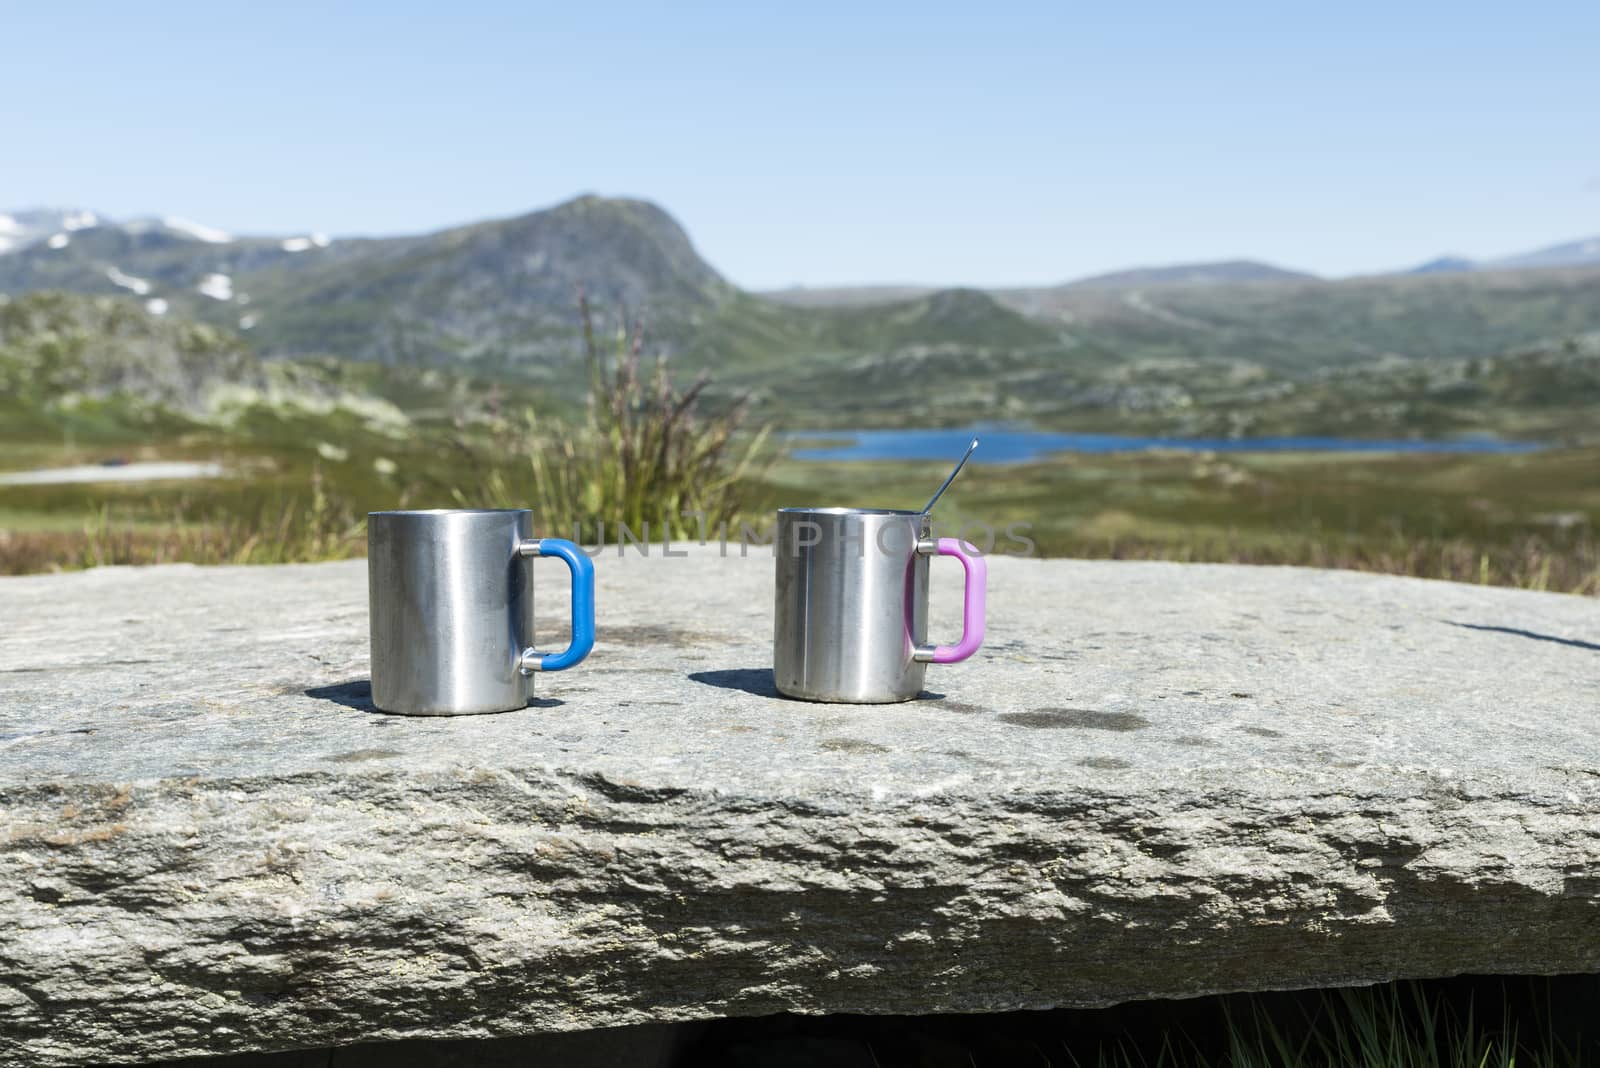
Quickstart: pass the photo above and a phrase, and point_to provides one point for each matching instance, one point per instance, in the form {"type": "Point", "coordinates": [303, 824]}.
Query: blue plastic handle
{"type": "Point", "coordinates": [582, 569]}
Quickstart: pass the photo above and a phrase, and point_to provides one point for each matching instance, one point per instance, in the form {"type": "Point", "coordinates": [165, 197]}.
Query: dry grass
{"type": "Point", "coordinates": [645, 455]}
{"type": "Point", "coordinates": [321, 530]}
{"type": "Point", "coordinates": [1530, 563]}
{"type": "Point", "coordinates": [315, 527]}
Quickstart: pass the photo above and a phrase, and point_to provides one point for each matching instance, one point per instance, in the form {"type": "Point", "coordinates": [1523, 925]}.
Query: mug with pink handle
{"type": "Point", "coordinates": [851, 612]}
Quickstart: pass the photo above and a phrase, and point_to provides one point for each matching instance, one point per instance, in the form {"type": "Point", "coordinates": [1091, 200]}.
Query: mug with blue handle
{"type": "Point", "coordinates": [450, 599]}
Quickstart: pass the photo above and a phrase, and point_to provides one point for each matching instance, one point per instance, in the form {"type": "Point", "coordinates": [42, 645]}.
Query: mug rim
{"type": "Point", "coordinates": [849, 511]}
{"type": "Point", "coordinates": [430, 513]}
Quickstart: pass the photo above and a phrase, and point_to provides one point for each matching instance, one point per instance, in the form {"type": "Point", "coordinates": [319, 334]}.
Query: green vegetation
{"type": "Point", "coordinates": [1546, 392]}
{"type": "Point", "coordinates": [1526, 520]}
{"type": "Point", "coordinates": [1248, 349]}
{"type": "Point", "coordinates": [315, 445]}
{"type": "Point", "coordinates": [643, 458]}
{"type": "Point", "coordinates": [102, 369]}
{"type": "Point", "coordinates": [92, 380]}
{"type": "Point", "coordinates": [1388, 1027]}
{"type": "Point", "coordinates": [1522, 520]}
{"type": "Point", "coordinates": [99, 380]}
{"type": "Point", "coordinates": [265, 530]}
{"type": "Point", "coordinates": [1308, 327]}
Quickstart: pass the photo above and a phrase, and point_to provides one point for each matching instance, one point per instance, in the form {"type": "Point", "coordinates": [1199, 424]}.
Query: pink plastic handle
{"type": "Point", "coordinates": [973, 602]}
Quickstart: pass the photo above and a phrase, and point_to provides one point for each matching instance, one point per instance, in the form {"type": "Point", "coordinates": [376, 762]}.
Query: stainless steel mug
{"type": "Point", "coordinates": [450, 595]}
{"type": "Point", "coordinates": [851, 620]}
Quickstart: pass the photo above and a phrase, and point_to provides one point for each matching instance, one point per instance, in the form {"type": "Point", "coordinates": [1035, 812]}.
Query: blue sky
{"type": "Point", "coordinates": [832, 143]}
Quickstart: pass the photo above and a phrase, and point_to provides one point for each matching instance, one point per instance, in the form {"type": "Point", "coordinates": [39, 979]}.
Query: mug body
{"type": "Point", "coordinates": [852, 604]}
{"type": "Point", "coordinates": [451, 606]}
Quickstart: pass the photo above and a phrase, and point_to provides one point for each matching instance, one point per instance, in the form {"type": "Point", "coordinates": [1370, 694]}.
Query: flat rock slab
{"type": "Point", "coordinates": [1155, 780]}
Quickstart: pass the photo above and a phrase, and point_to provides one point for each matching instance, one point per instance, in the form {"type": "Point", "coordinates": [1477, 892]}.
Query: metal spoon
{"type": "Point", "coordinates": [962, 463]}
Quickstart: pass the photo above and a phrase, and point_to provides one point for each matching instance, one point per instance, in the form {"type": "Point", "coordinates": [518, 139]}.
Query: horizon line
{"type": "Point", "coordinates": [1476, 262]}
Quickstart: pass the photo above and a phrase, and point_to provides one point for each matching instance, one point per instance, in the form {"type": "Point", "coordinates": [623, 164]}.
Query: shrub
{"type": "Point", "coordinates": [645, 454]}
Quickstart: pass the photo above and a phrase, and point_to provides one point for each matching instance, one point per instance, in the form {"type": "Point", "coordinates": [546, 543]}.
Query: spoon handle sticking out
{"type": "Point", "coordinates": [959, 465]}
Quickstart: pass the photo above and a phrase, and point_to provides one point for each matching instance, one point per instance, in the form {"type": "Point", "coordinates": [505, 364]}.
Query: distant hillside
{"type": "Point", "coordinates": [1226, 272]}
{"type": "Point", "coordinates": [19, 229]}
{"type": "Point", "coordinates": [1546, 392]}
{"type": "Point", "coordinates": [113, 362]}
{"type": "Point", "coordinates": [496, 295]}
{"type": "Point", "coordinates": [103, 367]}
{"type": "Point", "coordinates": [845, 296]}
{"type": "Point", "coordinates": [56, 346]}
{"type": "Point", "coordinates": [1585, 253]}
{"type": "Point", "coordinates": [1321, 325]}
{"type": "Point", "coordinates": [499, 292]}
{"type": "Point", "coordinates": [165, 267]}
{"type": "Point", "coordinates": [1443, 265]}
{"type": "Point", "coordinates": [968, 319]}
{"type": "Point", "coordinates": [495, 301]}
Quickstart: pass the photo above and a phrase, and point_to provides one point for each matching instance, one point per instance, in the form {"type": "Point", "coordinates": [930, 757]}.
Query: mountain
{"type": "Point", "coordinates": [496, 294]}
{"type": "Point", "coordinates": [55, 228]}
{"type": "Point", "coordinates": [966, 319]}
{"type": "Point", "coordinates": [1322, 325]}
{"type": "Point", "coordinates": [105, 369]}
{"type": "Point", "coordinates": [23, 228]}
{"type": "Point", "coordinates": [1443, 265]}
{"type": "Point", "coordinates": [105, 361]}
{"type": "Point", "coordinates": [499, 293]}
{"type": "Point", "coordinates": [169, 262]}
{"type": "Point", "coordinates": [1223, 272]}
{"type": "Point", "coordinates": [1368, 355]}
{"type": "Point", "coordinates": [845, 296]}
{"type": "Point", "coordinates": [1584, 253]}
{"type": "Point", "coordinates": [496, 300]}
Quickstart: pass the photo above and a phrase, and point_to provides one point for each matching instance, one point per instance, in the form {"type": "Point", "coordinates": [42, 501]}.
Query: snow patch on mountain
{"type": "Point", "coordinates": [24, 229]}
{"type": "Point", "coordinates": [196, 230]}
{"type": "Point", "coordinates": [127, 281]}
{"type": "Point", "coordinates": [59, 241]}
{"type": "Point", "coordinates": [155, 306]}
{"type": "Point", "coordinates": [216, 286]}
{"type": "Point", "coordinates": [310, 241]}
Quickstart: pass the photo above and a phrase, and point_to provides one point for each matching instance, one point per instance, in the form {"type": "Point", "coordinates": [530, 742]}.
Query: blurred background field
{"type": "Point", "coordinates": [306, 447]}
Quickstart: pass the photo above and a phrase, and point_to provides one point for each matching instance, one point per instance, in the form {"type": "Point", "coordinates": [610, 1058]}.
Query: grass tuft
{"type": "Point", "coordinates": [645, 455]}
{"type": "Point", "coordinates": [312, 527]}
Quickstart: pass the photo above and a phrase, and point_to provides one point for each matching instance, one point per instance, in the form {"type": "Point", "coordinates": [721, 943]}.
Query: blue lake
{"type": "Point", "coordinates": [1003, 446]}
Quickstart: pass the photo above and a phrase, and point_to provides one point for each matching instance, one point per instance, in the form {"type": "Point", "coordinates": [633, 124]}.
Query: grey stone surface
{"type": "Point", "coordinates": [1156, 780]}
